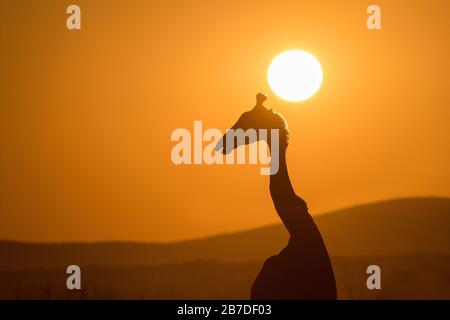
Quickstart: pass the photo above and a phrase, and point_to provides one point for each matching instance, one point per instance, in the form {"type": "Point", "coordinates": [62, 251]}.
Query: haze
{"type": "Point", "coordinates": [86, 116]}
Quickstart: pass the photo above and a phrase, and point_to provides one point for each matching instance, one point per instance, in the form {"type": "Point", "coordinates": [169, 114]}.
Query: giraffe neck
{"type": "Point", "coordinates": [292, 209]}
{"type": "Point", "coordinates": [280, 183]}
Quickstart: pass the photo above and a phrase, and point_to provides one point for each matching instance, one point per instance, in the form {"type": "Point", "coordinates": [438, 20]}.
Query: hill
{"type": "Point", "coordinates": [403, 277]}
{"type": "Point", "coordinates": [388, 228]}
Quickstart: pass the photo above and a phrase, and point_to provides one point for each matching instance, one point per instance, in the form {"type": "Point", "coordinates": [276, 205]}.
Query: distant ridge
{"type": "Point", "coordinates": [393, 227]}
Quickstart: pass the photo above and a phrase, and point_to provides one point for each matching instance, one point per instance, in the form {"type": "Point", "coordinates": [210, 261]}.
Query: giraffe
{"type": "Point", "coordinates": [302, 270]}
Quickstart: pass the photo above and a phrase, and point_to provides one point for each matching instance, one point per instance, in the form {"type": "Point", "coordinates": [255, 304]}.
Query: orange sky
{"type": "Point", "coordinates": [86, 116]}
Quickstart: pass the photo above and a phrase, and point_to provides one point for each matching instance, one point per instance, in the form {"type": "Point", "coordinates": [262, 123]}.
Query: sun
{"type": "Point", "coordinates": [295, 75]}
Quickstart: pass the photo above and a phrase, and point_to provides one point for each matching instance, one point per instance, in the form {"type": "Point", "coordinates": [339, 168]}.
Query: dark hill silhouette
{"type": "Point", "coordinates": [394, 227]}
{"type": "Point", "coordinates": [419, 276]}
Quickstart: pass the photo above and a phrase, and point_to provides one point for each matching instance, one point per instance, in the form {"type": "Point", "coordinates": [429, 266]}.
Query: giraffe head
{"type": "Point", "coordinates": [259, 117]}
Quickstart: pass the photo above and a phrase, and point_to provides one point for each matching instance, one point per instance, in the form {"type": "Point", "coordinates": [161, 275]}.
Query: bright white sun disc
{"type": "Point", "coordinates": [295, 75]}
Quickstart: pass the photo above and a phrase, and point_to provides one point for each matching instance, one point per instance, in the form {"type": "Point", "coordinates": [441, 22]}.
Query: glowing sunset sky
{"type": "Point", "coordinates": [86, 116]}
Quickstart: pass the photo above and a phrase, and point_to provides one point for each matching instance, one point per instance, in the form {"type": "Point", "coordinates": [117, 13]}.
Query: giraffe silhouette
{"type": "Point", "coordinates": [302, 270]}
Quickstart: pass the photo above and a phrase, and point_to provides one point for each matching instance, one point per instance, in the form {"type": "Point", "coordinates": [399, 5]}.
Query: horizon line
{"type": "Point", "coordinates": [162, 243]}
